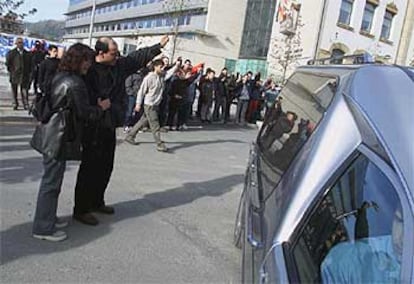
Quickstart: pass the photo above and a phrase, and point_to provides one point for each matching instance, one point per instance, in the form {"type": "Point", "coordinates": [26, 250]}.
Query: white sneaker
{"type": "Point", "coordinates": [184, 126]}
{"type": "Point", "coordinates": [60, 224]}
{"type": "Point", "coordinates": [126, 129]}
{"type": "Point", "coordinates": [55, 237]}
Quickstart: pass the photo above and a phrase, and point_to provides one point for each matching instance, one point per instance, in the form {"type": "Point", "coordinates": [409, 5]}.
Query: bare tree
{"type": "Point", "coordinates": [8, 9]}
{"type": "Point", "coordinates": [286, 50]}
{"type": "Point", "coordinates": [176, 11]}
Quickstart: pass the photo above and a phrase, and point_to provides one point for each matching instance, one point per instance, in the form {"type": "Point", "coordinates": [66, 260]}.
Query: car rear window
{"type": "Point", "coordinates": [292, 119]}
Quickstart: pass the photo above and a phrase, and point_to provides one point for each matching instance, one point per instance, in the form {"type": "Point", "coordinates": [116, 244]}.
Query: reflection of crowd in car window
{"type": "Point", "coordinates": [292, 117]}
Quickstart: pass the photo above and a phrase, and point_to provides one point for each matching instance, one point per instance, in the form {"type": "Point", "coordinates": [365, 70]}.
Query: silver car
{"type": "Point", "coordinates": [329, 188]}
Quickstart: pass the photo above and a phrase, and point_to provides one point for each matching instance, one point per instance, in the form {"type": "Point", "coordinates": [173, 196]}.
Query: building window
{"type": "Point", "coordinates": [158, 22]}
{"type": "Point", "coordinates": [181, 20]}
{"type": "Point", "coordinates": [257, 29]}
{"type": "Point", "coordinates": [368, 17]}
{"type": "Point", "coordinates": [345, 12]}
{"type": "Point", "coordinates": [337, 55]}
{"type": "Point", "coordinates": [169, 22]}
{"type": "Point", "coordinates": [187, 20]}
{"type": "Point", "coordinates": [386, 25]}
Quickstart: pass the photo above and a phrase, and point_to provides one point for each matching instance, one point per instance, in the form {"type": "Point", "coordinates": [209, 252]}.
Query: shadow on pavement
{"type": "Point", "coordinates": [182, 145]}
{"type": "Point", "coordinates": [197, 143]}
{"type": "Point", "coordinates": [16, 242]}
{"type": "Point", "coordinates": [230, 126]}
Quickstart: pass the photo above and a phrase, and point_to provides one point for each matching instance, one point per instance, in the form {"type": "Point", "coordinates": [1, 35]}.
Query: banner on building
{"type": "Point", "coordinates": [287, 16]}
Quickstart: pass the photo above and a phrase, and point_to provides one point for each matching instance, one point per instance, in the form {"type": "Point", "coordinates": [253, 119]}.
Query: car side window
{"type": "Point", "coordinates": [355, 234]}
{"type": "Point", "coordinates": [290, 122]}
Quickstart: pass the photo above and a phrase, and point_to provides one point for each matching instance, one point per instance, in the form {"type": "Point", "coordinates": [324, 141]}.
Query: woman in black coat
{"type": "Point", "coordinates": [69, 100]}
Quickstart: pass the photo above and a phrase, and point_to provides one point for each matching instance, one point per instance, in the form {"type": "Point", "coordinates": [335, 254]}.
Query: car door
{"type": "Point", "coordinates": [359, 231]}
{"type": "Point", "coordinates": [288, 125]}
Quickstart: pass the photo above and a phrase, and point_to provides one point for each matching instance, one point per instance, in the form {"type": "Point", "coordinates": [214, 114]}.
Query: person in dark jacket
{"type": "Point", "coordinates": [243, 93]}
{"type": "Point", "coordinates": [48, 69]}
{"type": "Point", "coordinates": [38, 56]}
{"type": "Point", "coordinates": [132, 84]}
{"type": "Point", "coordinates": [220, 100]}
{"type": "Point", "coordinates": [105, 80]}
{"type": "Point", "coordinates": [18, 63]}
{"type": "Point", "coordinates": [208, 90]}
{"type": "Point", "coordinates": [178, 97]}
{"type": "Point", "coordinates": [67, 90]}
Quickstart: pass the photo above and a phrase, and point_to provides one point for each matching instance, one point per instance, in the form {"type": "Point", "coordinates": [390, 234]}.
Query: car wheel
{"type": "Point", "coordinates": [239, 224]}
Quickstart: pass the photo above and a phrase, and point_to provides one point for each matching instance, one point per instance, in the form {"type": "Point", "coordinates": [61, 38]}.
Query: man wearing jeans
{"type": "Point", "coordinates": [150, 94]}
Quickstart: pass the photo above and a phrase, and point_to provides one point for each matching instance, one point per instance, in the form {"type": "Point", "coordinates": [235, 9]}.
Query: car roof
{"type": "Point", "coordinates": [385, 96]}
{"type": "Point", "coordinates": [387, 103]}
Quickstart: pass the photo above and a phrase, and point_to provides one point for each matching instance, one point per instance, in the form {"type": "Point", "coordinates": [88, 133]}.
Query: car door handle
{"type": "Point", "coordinates": [256, 244]}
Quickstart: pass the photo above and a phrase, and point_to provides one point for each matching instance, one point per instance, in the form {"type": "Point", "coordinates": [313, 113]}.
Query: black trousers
{"type": "Point", "coordinates": [95, 169]}
{"type": "Point", "coordinates": [24, 93]}
{"type": "Point", "coordinates": [176, 108]}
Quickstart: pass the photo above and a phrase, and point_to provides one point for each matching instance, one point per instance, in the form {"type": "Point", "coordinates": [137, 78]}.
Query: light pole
{"type": "Point", "coordinates": [319, 37]}
{"type": "Point", "coordinates": [91, 24]}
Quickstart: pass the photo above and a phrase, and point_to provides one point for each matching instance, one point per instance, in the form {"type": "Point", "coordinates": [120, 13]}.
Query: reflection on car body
{"type": "Point", "coordinates": [329, 187]}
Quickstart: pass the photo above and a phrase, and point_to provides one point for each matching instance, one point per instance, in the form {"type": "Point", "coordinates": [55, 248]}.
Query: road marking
{"type": "Point", "coordinates": [17, 123]}
{"type": "Point", "coordinates": [10, 169]}
{"type": "Point", "coordinates": [4, 138]}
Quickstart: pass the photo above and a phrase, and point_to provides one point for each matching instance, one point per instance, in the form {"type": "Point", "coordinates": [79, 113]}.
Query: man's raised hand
{"type": "Point", "coordinates": [164, 40]}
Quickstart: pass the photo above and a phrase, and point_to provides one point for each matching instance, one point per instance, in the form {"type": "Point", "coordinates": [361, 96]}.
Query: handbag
{"type": "Point", "coordinates": [47, 137]}
{"type": "Point", "coordinates": [57, 138]}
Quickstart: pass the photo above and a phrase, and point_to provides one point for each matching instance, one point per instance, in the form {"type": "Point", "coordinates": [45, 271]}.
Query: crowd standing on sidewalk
{"type": "Point", "coordinates": [101, 91]}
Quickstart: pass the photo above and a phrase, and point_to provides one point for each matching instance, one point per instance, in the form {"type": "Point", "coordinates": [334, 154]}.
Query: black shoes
{"type": "Point", "coordinates": [90, 219]}
{"type": "Point", "coordinates": [86, 218]}
{"type": "Point", "coordinates": [105, 209]}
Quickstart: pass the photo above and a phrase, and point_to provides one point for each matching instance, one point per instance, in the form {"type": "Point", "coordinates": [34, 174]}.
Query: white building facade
{"type": "Point", "coordinates": [331, 28]}
{"type": "Point", "coordinates": [205, 31]}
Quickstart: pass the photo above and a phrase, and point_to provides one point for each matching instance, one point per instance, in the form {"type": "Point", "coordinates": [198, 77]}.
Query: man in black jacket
{"type": "Point", "coordinates": [18, 62]}
{"type": "Point", "coordinates": [105, 80]}
{"type": "Point", "coordinates": [48, 68]}
{"type": "Point", "coordinates": [38, 56]}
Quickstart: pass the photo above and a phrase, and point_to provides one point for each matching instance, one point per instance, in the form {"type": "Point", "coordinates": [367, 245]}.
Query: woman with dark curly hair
{"type": "Point", "coordinates": [69, 98]}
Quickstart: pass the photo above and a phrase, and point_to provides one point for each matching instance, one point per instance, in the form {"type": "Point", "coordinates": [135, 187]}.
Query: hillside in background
{"type": "Point", "coordinates": [48, 29]}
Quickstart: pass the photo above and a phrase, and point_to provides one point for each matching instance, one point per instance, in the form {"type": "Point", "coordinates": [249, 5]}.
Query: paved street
{"type": "Point", "coordinates": [174, 212]}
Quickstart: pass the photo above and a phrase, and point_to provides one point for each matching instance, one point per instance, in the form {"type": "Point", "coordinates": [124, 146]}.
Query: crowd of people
{"type": "Point", "coordinates": [164, 97]}
{"type": "Point", "coordinates": [97, 91]}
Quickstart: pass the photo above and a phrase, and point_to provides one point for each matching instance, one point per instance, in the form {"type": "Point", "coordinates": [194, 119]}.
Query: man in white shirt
{"type": "Point", "coordinates": [150, 96]}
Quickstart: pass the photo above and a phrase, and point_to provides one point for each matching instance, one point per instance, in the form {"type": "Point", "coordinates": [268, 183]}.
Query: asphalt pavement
{"type": "Point", "coordinates": [174, 211]}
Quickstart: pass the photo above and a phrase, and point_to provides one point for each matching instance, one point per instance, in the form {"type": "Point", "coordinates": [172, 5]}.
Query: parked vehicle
{"type": "Point", "coordinates": [329, 187]}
